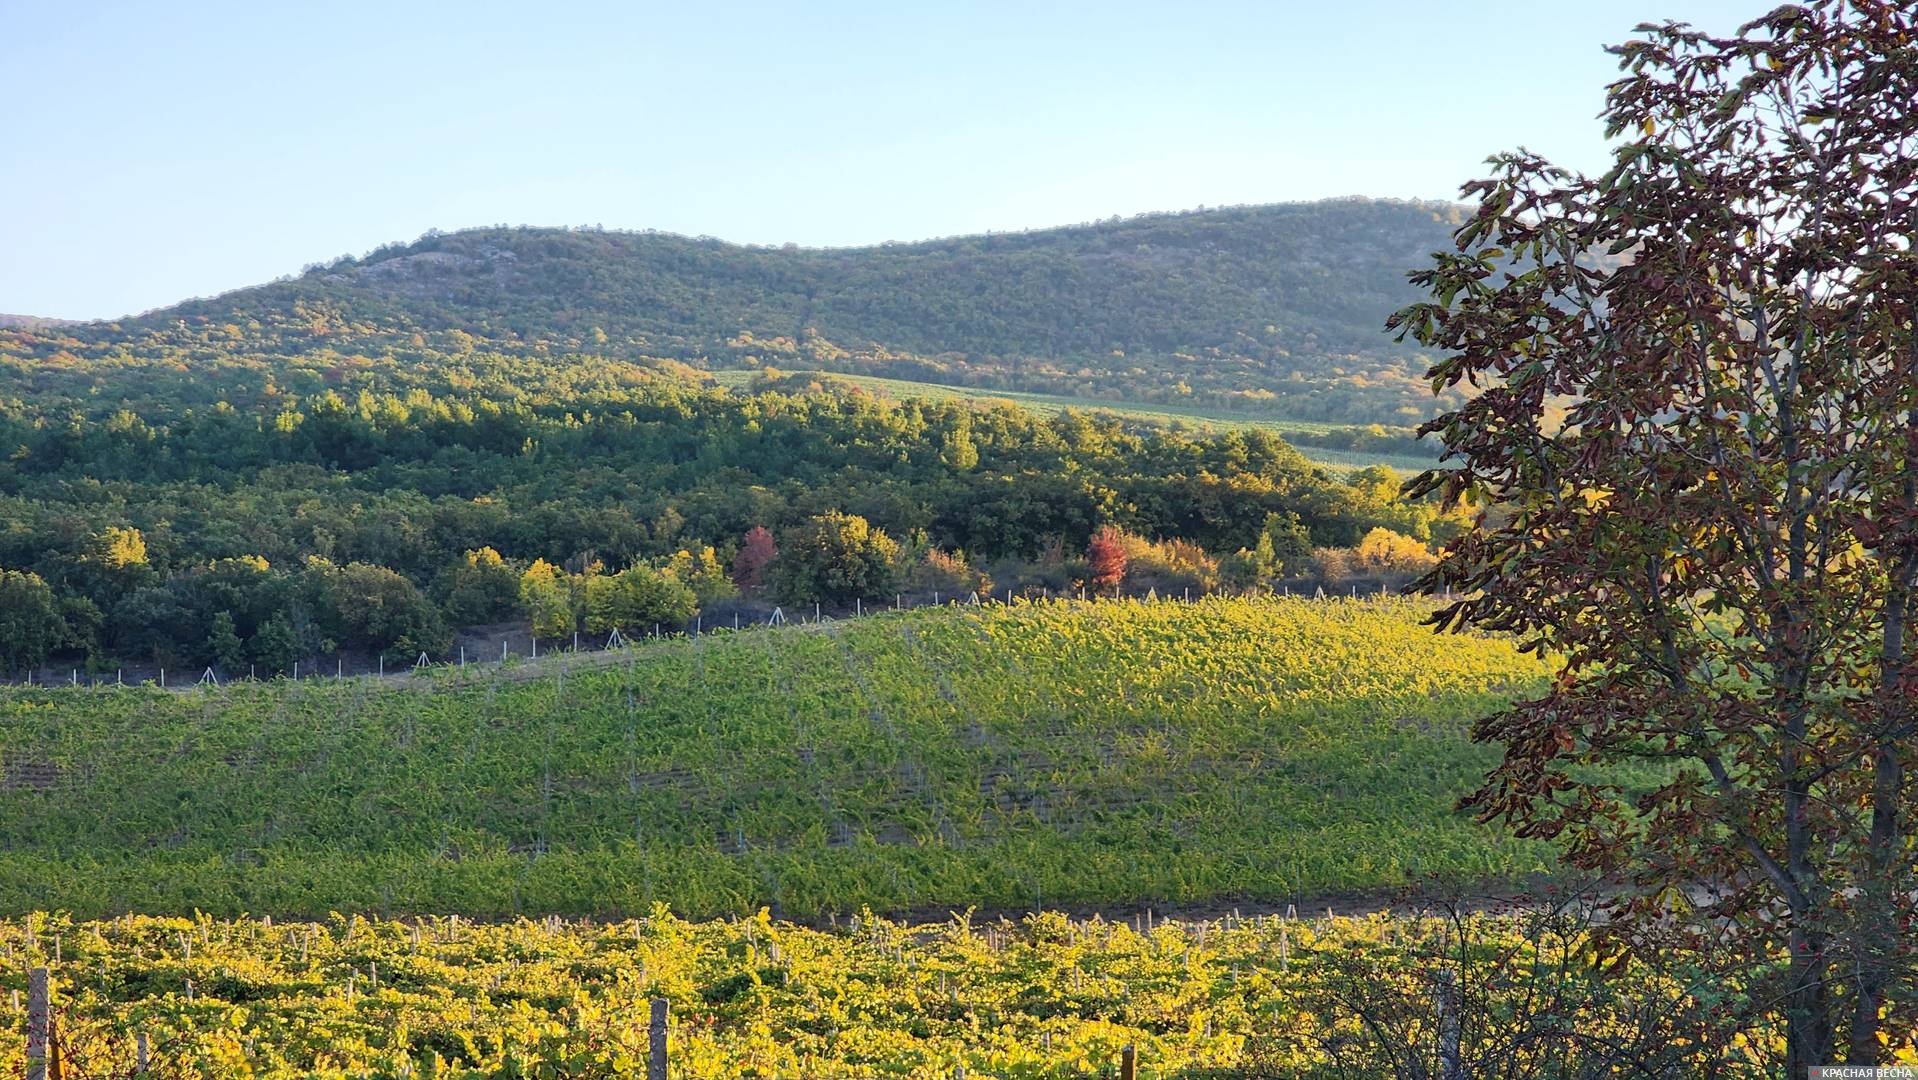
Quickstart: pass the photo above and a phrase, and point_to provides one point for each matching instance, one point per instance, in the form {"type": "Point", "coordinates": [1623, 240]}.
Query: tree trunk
{"type": "Point", "coordinates": [1875, 937]}
{"type": "Point", "coordinates": [1808, 1019]}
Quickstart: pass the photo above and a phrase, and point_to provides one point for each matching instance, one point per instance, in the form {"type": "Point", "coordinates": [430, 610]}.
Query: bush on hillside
{"type": "Point", "coordinates": [637, 597]}
{"type": "Point", "coordinates": [834, 558]}
{"type": "Point", "coordinates": [480, 588]}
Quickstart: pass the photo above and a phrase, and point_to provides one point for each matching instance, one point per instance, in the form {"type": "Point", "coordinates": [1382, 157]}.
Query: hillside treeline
{"type": "Point", "coordinates": [230, 508]}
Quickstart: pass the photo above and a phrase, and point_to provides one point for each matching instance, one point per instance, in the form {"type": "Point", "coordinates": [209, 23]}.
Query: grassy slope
{"type": "Point", "coordinates": [1043, 755]}
{"type": "Point", "coordinates": [1194, 416]}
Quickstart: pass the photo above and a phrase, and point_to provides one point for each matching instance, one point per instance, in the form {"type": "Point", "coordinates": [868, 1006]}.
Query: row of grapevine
{"type": "Point", "coordinates": [1022, 756]}
{"type": "Point", "coordinates": [1046, 998]}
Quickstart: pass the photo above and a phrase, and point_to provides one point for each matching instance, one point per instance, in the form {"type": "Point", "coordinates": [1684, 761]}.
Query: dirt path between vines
{"type": "Point", "coordinates": [1484, 898]}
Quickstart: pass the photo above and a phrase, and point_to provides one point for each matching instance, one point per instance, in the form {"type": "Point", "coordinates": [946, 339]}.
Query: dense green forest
{"type": "Point", "coordinates": [231, 508]}
{"type": "Point", "coordinates": [1277, 309]}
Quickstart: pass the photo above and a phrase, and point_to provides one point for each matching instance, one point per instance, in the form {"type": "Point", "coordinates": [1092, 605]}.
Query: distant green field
{"type": "Point", "coordinates": [1040, 755]}
{"type": "Point", "coordinates": [1164, 414]}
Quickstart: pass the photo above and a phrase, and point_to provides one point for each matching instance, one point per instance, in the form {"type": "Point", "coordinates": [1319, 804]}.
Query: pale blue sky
{"type": "Point", "coordinates": [155, 151]}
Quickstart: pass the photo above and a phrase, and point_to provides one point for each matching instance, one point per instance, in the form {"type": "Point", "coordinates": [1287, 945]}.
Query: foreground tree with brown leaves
{"type": "Point", "coordinates": [1695, 450]}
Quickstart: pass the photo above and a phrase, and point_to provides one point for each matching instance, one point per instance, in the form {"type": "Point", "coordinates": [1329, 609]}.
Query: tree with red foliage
{"type": "Point", "coordinates": [755, 555]}
{"type": "Point", "coordinates": [1695, 457]}
{"type": "Point", "coordinates": [1106, 558]}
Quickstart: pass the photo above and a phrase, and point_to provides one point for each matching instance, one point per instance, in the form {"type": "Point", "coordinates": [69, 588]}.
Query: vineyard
{"type": "Point", "coordinates": [1105, 755]}
{"type": "Point", "coordinates": [1031, 757]}
{"type": "Point", "coordinates": [1042, 998]}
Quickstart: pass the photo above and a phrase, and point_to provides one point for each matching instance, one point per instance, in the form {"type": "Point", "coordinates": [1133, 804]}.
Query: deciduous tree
{"type": "Point", "coordinates": [1106, 558]}
{"type": "Point", "coordinates": [30, 623]}
{"type": "Point", "coordinates": [755, 555]}
{"type": "Point", "coordinates": [1720, 539]}
{"type": "Point", "coordinates": [837, 558]}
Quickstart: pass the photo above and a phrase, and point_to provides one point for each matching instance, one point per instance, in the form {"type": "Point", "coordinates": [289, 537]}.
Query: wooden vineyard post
{"type": "Point", "coordinates": [142, 1056]}
{"type": "Point", "coordinates": [656, 1042]}
{"type": "Point", "coordinates": [39, 1024]}
{"type": "Point", "coordinates": [1128, 1063]}
{"type": "Point", "coordinates": [1451, 1067]}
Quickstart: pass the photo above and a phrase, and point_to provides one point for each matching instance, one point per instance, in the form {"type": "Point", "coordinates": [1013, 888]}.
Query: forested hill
{"type": "Point", "coordinates": [1277, 308]}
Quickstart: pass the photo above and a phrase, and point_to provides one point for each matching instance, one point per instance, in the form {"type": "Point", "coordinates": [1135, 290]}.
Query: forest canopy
{"type": "Point", "coordinates": [238, 506]}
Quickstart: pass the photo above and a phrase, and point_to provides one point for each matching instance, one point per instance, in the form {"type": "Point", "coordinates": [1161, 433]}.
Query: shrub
{"type": "Point", "coordinates": [756, 554]}
{"type": "Point", "coordinates": [30, 620]}
{"type": "Point", "coordinates": [702, 572]}
{"type": "Point", "coordinates": [637, 597]}
{"type": "Point", "coordinates": [1383, 551]}
{"type": "Point", "coordinates": [360, 605]}
{"type": "Point", "coordinates": [1106, 559]}
{"type": "Point", "coordinates": [480, 588]}
{"type": "Point", "coordinates": [836, 558]}
{"type": "Point", "coordinates": [547, 598]}
{"type": "Point", "coordinates": [947, 573]}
